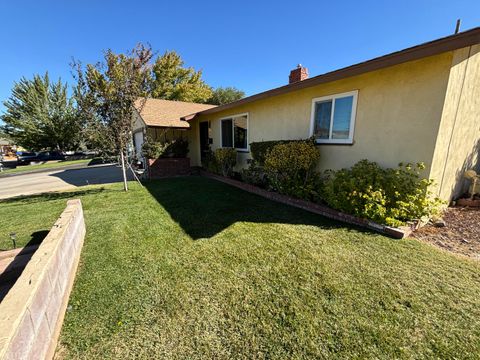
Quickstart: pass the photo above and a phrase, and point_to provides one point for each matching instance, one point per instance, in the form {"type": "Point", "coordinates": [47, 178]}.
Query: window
{"type": "Point", "coordinates": [235, 132]}
{"type": "Point", "coordinates": [333, 118]}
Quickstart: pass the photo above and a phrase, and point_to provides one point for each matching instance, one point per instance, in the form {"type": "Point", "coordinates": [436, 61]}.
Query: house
{"type": "Point", "coordinates": [7, 150]}
{"type": "Point", "coordinates": [421, 104]}
{"type": "Point", "coordinates": [4, 145]}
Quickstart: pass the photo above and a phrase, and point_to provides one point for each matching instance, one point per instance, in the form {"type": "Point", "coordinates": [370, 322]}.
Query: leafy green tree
{"type": "Point", "coordinates": [107, 94]}
{"type": "Point", "coordinates": [39, 115]}
{"type": "Point", "coordinates": [225, 95]}
{"type": "Point", "coordinates": [172, 81]}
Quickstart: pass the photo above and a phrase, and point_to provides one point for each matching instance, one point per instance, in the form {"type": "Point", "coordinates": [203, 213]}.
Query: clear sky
{"type": "Point", "coordinates": [251, 45]}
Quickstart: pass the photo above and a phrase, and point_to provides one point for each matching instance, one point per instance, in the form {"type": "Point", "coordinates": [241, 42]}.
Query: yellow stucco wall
{"type": "Point", "coordinates": [398, 115]}
{"type": "Point", "coordinates": [458, 143]}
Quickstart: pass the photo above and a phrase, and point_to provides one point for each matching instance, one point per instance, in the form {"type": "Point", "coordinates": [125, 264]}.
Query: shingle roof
{"type": "Point", "coordinates": [167, 113]}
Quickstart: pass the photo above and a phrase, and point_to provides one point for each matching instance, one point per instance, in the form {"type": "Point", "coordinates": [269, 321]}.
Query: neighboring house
{"type": "Point", "coordinates": [160, 120]}
{"type": "Point", "coordinates": [4, 145]}
{"type": "Point", "coordinates": [421, 104]}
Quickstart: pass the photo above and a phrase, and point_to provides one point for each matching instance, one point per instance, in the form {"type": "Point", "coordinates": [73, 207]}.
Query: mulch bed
{"type": "Point", "coordinates": [460, 235]}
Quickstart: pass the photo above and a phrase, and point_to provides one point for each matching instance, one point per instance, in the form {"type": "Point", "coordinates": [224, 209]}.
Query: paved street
{"type": "Point", "coordinates": [55, 180]}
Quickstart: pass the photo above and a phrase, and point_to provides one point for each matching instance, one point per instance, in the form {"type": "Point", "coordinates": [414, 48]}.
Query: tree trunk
{"type": "Point", "coordinates": [124, 171]}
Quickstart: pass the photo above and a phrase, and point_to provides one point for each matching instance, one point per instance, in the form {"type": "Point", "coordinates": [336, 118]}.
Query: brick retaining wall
{"type": "Point", "coordinates": [166, 167]}
{"type": "Point", "coordinates": [32, 312]}
{"type": "Point", "coordinates": [323, 210]}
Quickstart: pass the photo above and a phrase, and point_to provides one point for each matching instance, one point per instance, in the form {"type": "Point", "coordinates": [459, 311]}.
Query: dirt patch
{"type": "Point", "coordinates": [460, 235]}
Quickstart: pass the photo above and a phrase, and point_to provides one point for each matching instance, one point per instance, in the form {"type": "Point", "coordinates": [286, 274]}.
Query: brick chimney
{"type": "Point", "coordinates": [298, 74]}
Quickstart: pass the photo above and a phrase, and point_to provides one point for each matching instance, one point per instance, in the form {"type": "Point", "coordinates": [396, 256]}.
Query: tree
{"type": "Point", "coordinates": [107, 94]}
{"type": "Point", "coordinates": [39, 115]}
{"type": "Point", "coordinates": [172, 81]}
{"type": "Point", "coordinates": [225, 95]}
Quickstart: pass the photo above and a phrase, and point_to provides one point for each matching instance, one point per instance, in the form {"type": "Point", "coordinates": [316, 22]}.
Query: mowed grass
{"type": "Point", "coordinates": [189, 268]}
{"type": "Point", "coordinates": [48, 165]}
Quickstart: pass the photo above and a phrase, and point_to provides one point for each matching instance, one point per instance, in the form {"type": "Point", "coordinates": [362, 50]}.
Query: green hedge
{"type": "Point", "coordinates": [260, 149]}
{"type": "Point", "coordinates": [290, 169]}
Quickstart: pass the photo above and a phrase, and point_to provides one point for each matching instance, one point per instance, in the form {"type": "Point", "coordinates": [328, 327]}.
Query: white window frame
{"type": "Point", "coordinates": [352, 118]}
{"type": "Point", "coordinates": [230, 117]}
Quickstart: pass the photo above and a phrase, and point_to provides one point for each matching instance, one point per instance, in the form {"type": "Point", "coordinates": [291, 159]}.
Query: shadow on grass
{"type": "Point", "coordinates": [49, 196]}
{"type": "Point", "coordinates": [92, 176]}
{"type": "Point", "coordinates": [15, 268]}
{"type": "Point", "coordinates": [204, 207]}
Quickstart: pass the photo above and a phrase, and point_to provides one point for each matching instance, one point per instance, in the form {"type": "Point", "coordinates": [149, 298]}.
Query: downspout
{"type": "Point", "coordinates": [454, 123]}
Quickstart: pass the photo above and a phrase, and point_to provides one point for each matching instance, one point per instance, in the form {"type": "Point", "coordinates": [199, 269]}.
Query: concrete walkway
{"type": "Point", "coordinates": [56, 180]}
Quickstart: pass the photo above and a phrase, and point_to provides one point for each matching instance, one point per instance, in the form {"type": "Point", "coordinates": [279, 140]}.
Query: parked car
{"type": "Point", "coordinates": [50, 155]}
{"type": "Point", "coordinates": [25, 158]}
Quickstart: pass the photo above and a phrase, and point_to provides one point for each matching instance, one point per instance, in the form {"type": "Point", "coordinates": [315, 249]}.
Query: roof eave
{"type": "Point", "coordinates": [170, 127]}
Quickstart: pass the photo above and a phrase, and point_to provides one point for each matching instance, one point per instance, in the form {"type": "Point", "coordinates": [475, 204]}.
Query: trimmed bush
{"type": "Point", "coordinates": [226, 159]}
{"type": "Point", "coordinates": [389, 196]}
{"type": "Point", "coordinates": [260, 149]}
{"type": "Point", "coordinates": [221, 161]}
{"type": "Point", "coordinates": [290, 169]}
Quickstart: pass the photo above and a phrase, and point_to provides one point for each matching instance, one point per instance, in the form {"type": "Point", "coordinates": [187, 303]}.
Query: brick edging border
{"type": "Point", "coordinates": [397, 233]}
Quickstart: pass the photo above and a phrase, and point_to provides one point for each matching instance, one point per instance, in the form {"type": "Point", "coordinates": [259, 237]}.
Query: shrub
{"type": "Point", "coordinates": [178, 148]}
{"type": "Point", "coordinates": [254, 175]}
{"type": "Point", "coordinates": [153, 149]}
{"type": "Point", "coordinates": [210, 163]}
{"type": "Point", "coordinates": [389, 196]}
{"type": "Point", "coordinates": [290, 168]}
{"type": "Point", "coordinates": [260, 149]}
{"type": "Point", "coordinates": [225, 159]}
{"type": "Point", "coordinates": [174, 148]}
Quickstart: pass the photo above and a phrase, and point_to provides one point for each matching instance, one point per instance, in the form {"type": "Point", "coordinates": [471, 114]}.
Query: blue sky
{"type": "Point", "coordinates": [251, 45]}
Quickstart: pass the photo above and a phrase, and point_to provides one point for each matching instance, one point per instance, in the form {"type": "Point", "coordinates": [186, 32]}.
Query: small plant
{"type": "Point", "coordinates": [226, 159]}
{"type": "Point", "coordinates": [390, 196]}
{"type": "Point", "coordinates": [290, 169]}
{"type": "Point", "coordinates": [254, 174]}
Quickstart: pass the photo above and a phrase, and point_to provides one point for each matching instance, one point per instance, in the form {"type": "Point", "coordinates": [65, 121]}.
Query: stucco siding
{"type": "Point", "coordinates": [458, 144]}
{"type": "Point", "coordinates": [398, 115]}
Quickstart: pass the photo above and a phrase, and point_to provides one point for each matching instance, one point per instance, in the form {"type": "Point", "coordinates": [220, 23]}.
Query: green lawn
{"type": "Point", "coordinates": [48, 165]}
{"type": "Point", "coordinates": [194, 269]}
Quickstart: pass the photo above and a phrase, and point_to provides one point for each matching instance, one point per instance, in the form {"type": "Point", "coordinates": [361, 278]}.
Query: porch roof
{"type": "Point", "coordinates": [168, 113]}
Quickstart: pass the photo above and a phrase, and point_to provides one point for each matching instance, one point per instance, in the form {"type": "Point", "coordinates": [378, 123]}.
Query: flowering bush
{"type": "Point", "coordinates": [391, 196]}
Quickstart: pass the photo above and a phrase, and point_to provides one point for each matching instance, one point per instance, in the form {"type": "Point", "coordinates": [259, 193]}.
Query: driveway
{"type": "Point", "coordinates": [55, 180]}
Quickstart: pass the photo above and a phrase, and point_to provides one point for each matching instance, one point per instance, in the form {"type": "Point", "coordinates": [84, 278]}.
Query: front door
{"type": "Point", "coordinates": [204, 139]}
